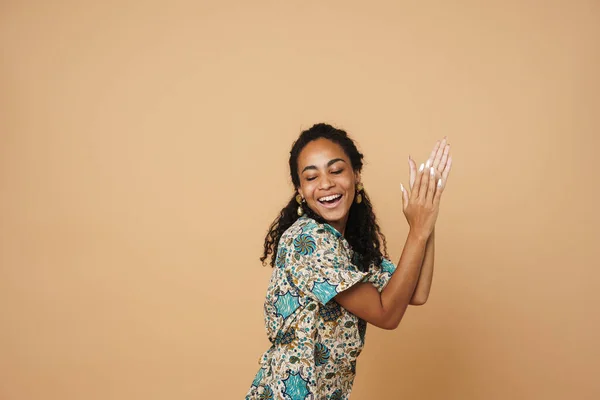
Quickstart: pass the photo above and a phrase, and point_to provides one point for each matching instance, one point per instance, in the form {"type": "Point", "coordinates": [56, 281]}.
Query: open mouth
{"type": "Point", "coordinates": [330, 201]}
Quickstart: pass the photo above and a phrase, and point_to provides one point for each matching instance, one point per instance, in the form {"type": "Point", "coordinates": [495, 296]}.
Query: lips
{"type": "Point", "coordinates": [330, 201]}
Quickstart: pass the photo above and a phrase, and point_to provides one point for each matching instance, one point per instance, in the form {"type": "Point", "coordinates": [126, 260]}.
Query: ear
{"type": "Point", "coordinates": [300, 193]}
{"type": "Point", "coordinates": [357, 177]}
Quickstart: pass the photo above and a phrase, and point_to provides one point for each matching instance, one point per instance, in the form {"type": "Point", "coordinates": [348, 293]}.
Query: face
{"type": "Point", "coordinates": [327, 181]}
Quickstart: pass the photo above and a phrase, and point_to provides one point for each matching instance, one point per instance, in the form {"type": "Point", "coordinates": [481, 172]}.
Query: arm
{"type": "Point", "coordinates": [421, 292]}
{"type": "Point", "coordinates": [386, 309]}
{"type": "Point", "coordinates": [440, 159]}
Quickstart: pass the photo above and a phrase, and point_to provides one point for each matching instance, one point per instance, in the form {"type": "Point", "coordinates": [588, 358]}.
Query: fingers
{"type": "Point", "coordinates": [436, 160]}
{"type": "Point", "coordinates": [432, 181]}
{"type": "Point", "coordinates": [430, 186]}
{"type": "Point", "coordinates": [443, 157]}
{"type": "Point", "coordinates": [434, 153]}
{"type": "Point", "coordinates": [438, 192]}
{"type": "Point", "coordinates": [412, 172]}
{"type": "Point", "coordinates": [446, 171]}
{"type": "Point", "coordinates": [414, 194]}
{"type": "Point", "coordinates": [404, 197]}
{"type": "Point", "coordinates": [423, 185]}
{"type": "Point", "coordinates": [423, 182]}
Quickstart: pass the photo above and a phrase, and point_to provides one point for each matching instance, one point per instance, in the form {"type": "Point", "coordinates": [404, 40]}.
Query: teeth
{"type": "Point", "coordinates": [329, 198]}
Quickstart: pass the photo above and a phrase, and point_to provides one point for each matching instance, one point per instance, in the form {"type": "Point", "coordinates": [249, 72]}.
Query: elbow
{"type": "Point", "coordinates": [390, 325]}
{"type": "Point", "coordinates": [417, 302]}
{"type": "Point", "coordinates": [390, 319]}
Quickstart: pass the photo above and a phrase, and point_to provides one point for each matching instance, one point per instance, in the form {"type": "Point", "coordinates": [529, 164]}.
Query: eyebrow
{"type": "Point", "coordinates": [329, 164]}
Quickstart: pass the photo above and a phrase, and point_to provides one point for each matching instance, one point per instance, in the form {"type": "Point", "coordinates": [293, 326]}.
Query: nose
{"type": "Point", "coordinates": [325, 182]}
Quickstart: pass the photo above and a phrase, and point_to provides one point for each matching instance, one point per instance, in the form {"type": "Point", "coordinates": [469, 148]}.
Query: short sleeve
{"type": "Point", "coordinates": [317, 263]}
{"type": "Point", "coordinates": [379, 275]}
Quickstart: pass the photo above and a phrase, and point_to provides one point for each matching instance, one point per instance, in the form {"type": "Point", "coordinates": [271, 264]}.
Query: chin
{"type": "Point", "coordinates": [333, 216]}
{"type": "Point", "coordinates": [337, 214]}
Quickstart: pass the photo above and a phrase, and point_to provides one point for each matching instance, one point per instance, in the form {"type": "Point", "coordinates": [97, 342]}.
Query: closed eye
{"type": "Point", "coordinates": [312, 178]}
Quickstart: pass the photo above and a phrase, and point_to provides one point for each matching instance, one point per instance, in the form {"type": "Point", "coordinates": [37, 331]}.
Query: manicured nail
{"type": "Point", "coordinates": [427, 164]}
{"type": "Point", "coordinates": [421, 167]}
{"type": "Point", "coordinates": [432, 171]}
{"type": "Point", "coordinates": [402, 187]}
{"type": "Point", "coordinates": [440, 182]}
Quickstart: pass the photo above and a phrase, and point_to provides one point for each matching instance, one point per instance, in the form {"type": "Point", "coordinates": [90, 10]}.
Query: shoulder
{"type": "Point", "coordinates": [305, 226]}
{"type": "Point", "coordinates": [307, 235]}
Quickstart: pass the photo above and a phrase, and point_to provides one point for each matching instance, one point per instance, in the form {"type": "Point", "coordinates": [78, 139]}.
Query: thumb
{"type": "Point", "coordinates": [404, 197]}
{"type": "Point", "coordinates": [412, 171]}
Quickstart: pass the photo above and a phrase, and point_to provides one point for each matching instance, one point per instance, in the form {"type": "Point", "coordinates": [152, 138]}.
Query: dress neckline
{"type": "Point", "coordinates": [332, 230]}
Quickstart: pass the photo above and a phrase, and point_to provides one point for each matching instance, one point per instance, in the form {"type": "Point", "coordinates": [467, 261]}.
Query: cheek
{"type": "Point", "coordinates": [307, 189]}
{"type": "Point", "coordinates": [310, 190]}
{"type": "Point", "coordinates": [349, 184]}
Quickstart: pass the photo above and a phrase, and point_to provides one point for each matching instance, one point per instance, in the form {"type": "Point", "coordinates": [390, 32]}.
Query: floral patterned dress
{"type": "Point", "coordinates": [315, 342]}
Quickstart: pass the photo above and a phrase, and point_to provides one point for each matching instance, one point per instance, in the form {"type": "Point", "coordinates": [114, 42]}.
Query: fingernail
{"type": "Point", "coordinates": [440, 182]}
{"type": "Point", "coordinates": [427, 164]}
{"type": "Point", "coordinates": [431, 171]}
{"type": "Point", "coordinates": [402, 187]}
{"type": "Point", "coordinates": [421, 167]}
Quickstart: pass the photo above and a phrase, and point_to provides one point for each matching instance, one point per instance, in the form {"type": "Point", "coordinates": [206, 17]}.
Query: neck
{"type": "Point", "coordinates": [339, 226]}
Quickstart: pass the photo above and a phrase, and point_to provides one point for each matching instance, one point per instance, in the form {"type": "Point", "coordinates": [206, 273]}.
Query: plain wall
{"type": "Point", "coordinates": [143, 154]}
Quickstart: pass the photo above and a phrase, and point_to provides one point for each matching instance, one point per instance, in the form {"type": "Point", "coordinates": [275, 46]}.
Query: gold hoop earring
{"type": "Point", "coordinates": [300, 210]}
{"type": "Point", "coordinates": [359, 188]}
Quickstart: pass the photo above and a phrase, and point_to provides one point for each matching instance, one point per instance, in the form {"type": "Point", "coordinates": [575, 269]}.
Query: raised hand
{"type": "Point", "coordinates": [436, 170]}
{"type": "Point", "coordinates": [420, 204]}
{"type": "Point", "coordinates": [440, 159]}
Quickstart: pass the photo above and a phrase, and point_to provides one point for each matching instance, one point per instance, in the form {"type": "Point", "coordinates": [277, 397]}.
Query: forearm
{"type": "Point", "coordinates": [401, 286]}
{"type": "Point", "coordinates": [423, 288]}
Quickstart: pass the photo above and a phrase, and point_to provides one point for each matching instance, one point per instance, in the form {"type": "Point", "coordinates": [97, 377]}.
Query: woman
{"type": "Point", "coordinates": [331, 272]}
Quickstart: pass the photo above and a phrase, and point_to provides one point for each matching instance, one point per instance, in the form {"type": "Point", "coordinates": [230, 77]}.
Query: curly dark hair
{"type": "Point", "coordinates": [362, 231]}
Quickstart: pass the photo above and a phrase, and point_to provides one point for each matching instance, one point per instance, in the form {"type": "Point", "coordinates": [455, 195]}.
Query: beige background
{"type": "Point", "coordinates": [143, 151]}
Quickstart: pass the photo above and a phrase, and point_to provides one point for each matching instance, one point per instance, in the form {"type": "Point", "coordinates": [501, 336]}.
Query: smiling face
{"type": "Point", "coordinates": [327, 181]}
